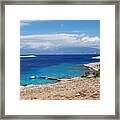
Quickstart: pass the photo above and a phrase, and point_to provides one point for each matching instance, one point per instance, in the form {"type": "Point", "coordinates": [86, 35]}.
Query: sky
{"type": "Point", "coordinates": [60, 37]}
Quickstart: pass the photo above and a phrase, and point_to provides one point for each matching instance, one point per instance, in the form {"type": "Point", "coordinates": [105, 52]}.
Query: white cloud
{"type": "Point", "coordinates": [90, 39]}
{"type": "Point", "coordinates": [58, 40]}
{"type": "Point", "coordinates": [49, 37]}
{"type": "Point", "coordinates": [24, 23]}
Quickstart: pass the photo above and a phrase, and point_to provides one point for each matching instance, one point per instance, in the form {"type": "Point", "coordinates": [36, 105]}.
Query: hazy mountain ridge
{"type": "Point", "coordinates": [62, 50]}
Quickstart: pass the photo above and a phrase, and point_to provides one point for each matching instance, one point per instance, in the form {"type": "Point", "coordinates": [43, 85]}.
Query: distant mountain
{"type": "Point", "coordinates": [63, 50]}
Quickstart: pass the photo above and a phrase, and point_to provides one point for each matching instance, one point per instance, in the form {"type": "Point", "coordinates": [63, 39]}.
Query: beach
{"type": "Point", "coordinates": [86, 87]}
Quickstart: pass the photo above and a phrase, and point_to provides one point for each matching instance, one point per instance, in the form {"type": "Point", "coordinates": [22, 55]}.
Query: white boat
{"type": "Point", "coordinates": [32, 77]}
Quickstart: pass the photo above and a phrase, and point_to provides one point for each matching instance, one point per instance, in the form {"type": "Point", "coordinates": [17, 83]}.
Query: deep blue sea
{"type": "Point", "coordinates": [56, 66]}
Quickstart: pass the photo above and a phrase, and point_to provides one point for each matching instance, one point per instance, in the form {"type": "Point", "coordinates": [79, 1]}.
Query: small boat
{"type": "Point", "coordinates": [32, 77]}
{"type": "Point", "coordinates": [25, 85]}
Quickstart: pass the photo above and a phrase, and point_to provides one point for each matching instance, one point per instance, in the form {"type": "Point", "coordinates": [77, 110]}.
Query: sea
{"type": "Point", "coordinates": [55, 66]}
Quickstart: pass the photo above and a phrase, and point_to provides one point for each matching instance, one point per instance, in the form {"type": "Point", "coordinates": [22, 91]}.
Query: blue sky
{"type": "Point", "coordinates": [59, 36]}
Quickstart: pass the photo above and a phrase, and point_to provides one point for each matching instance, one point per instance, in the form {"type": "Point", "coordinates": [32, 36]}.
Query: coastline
{"type": "Point", "coordinates": [94, 66]}
{"type": "Point", "coordinates": [77, 88]}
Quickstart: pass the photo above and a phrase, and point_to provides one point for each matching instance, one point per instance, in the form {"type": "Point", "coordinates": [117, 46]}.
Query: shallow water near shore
{"type": "Point", "coordinates": [55, 66]}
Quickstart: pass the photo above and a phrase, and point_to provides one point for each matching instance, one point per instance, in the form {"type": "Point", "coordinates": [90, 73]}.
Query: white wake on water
{"type": "Point", "coordinates": [27, 56]}
{"type": "Point", "coordinates": [97, 57]}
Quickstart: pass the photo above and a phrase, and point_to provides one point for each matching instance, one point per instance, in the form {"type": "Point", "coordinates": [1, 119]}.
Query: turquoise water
{"type": "Point", "coordinates": [53, 66]}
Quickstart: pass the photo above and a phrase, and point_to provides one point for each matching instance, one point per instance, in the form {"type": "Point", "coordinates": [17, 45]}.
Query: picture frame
{"type": "Point", "coordinates": [49, 2]}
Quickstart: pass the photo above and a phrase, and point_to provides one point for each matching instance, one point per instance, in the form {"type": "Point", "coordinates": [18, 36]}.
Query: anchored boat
{"type": "Point", "coordinates": [32, 77]}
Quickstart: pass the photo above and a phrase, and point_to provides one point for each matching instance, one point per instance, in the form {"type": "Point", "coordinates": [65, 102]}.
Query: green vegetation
{"type": "Point", "coordinates": [86, 74]}
{"type": "Point", "coordinates": [96, 73]}
{"type": "Point", "coordinates": [93, 74]}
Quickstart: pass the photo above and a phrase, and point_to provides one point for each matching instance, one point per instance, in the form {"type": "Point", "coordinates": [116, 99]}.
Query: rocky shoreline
{"type": "Point", "coordinates": [77, 88]}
